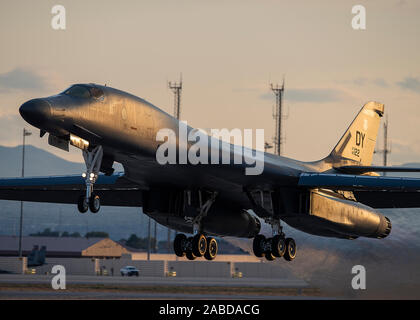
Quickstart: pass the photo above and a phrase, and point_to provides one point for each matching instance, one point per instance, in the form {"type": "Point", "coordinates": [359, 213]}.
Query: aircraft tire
{"type": "Point", "coordinates": [190, 255]}
{"type": "Point", "coordinates": [278, 246]}
{"type": "Point", "coordinates": [258, 245]}
{"type": "Point", "coordinates": [212, 248]}
{"type": "Point", "coordinates": [179, 244]}
{"type": "Point", "coordinates": [82, 204]}
{"type": "Point", "coordinates": [94, 203]}
{"type": "Point", "coordinates": [199, 245]}
{"type": "Point", "coordinates": [290, 253]}
{"type": "Point", "coordinates": [270, 256]}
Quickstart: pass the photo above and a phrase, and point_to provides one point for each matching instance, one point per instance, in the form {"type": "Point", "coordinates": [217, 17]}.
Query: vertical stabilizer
{"type": "Point", "coordinates": [358, 143]}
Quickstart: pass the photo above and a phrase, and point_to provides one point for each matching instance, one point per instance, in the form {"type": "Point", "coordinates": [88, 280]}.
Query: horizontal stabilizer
{"type": "Point", "coordinates": [354, 182]}
{"type": "Point", "coordinates": [364, 169]}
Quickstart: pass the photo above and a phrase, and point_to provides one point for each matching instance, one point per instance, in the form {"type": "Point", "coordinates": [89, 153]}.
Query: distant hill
{"type": "Point", "coordinates": [118, 222]}
{"type": "Point", "coordinates": [38, 162]}
{"type": "Point", "coordinates": [411, 164]}
{"type": "Point", "coordinates": [406, 174]}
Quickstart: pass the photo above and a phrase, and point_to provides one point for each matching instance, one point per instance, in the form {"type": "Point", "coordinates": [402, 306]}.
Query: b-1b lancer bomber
{"type": "Point", "coordinates": [337, 196]}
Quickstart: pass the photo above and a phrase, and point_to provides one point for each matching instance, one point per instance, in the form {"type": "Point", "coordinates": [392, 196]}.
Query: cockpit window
{"type": "Point", "coordinates": [78, 91]}
{"type": "Point", "coordinates": [96, 92]}
{"type": "Point", "coordinates": [84, 91]}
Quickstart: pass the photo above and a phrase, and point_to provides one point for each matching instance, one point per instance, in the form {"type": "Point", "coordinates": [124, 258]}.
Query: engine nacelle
{"type": "Point", "coordinates": [170, 208]}
{"type": "Point", "coordinates": [331, 216]}
{"type": "Point", "coordinates": [231, 224]}
{"type": "Point", "coordinates": [348, 217]}
{"type": "Point", "coordinates": [236, 223]}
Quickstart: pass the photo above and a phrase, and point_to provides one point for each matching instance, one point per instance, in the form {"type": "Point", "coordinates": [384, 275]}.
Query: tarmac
{"type": "Point", "coordinates": [16, 286]}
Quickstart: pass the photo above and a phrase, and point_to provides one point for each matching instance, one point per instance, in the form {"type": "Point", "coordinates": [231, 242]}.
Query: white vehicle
{"type": "Point", "coordinates": [129, 271]}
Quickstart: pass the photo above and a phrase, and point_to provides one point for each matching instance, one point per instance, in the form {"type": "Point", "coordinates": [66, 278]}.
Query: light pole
{"type": "Point", "coordinates": [25, 133]}
{"type": "Point", "coordinates": [155, 236]}
{"type": "Point", "coordinates": [148, 240]}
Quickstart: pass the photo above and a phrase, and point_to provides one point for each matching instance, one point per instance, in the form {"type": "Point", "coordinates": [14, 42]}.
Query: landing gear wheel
{"type": "Point", "coordinates": [179, 244]}
{"type": "Point", "coordinates": [290, 253]}
{"type": "Point", "coordinates": [199, 245]}
{"type": "Point", "coordinates": [94, 203]}
{"type": "Point", "coordinates": [212, 248]}
{"type": "Point", "coordinates": [190, 255]}
{"type": "Point", "coordinates": [82, 204]}
{"type": "Point", "coordinates": [278, 246]}
{"type": "Point", "coordinates": [258, 245]}
{"type": "Point", "coordinates": [269, 256]}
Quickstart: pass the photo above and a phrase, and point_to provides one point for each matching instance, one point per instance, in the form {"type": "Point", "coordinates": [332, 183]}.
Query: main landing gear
{"type": "Point", "coordinates": [195, 247]}
{"type": "Point", "coordinates": [90, 200]}
{"type": "Point", "coordinates": [198, 245]}
{"type": "Point", "coordinates": [276, 247]}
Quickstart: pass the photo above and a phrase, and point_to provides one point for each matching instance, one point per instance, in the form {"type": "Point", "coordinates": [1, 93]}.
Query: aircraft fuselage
{"type": "Point", "coordinates": [127, 126]}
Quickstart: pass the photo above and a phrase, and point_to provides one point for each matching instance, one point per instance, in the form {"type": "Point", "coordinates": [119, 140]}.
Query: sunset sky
{"type": "Point", "coordinates": [228, 53]}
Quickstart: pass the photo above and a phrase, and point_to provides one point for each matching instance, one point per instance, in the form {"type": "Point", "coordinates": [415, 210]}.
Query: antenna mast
{"type": "Point", "coordinates": [277, 116]}
{"type": "Point", "coordinates": [176, 88]}
{"type": "Point", "coordinates": [386, 150]}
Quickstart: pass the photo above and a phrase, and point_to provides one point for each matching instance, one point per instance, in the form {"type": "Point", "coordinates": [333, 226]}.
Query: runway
{"type": "Point", "coordinates": [106, 287]}
{"type": "Point", "coordinates": [158, 281]}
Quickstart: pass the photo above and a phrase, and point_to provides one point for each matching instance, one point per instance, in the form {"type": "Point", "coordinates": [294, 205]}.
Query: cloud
{"type": "Point", "coordinates": [309, 95]}
{"type": "Point", "coordinates": [380, 83]}
{"type": "Point", "coordinates": [22, 79]}
{"type": "Point", "coordinates": [410, 83]}
{"type": "Point", "coordinates": [362, 81]}
{"type": "Point", "coordinates": [11, 129]}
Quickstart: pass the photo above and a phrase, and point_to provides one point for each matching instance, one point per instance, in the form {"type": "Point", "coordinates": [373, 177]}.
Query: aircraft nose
{"type": "Point", "coordinates": [35, 111]}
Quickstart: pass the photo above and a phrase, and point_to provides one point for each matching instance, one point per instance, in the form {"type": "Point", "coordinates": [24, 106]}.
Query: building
{"type": "Point", "coordinates": [63, 247]}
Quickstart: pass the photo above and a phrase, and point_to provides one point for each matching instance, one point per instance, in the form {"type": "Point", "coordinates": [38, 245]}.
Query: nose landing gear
{"type": "Point", "coordinates": [90, 200]}
{"type": "Point", "coordinates": [94, 203]}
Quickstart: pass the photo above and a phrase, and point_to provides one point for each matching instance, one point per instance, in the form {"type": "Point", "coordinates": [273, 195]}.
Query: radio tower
{"type": "Point", "coordinates": [277, 116]}
{"type": "Point", "coordinates": [176, 88]}
{"type": "Point", "coordinates": [386, 150]}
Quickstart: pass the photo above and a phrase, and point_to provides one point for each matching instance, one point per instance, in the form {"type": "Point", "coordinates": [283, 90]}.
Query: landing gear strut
{"type": "Point", "coordinates": [90, 200]}
{"type": "Point", "coordinates": [198, 245]}
{"type": "Point", "coordinates": [276, 247]}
